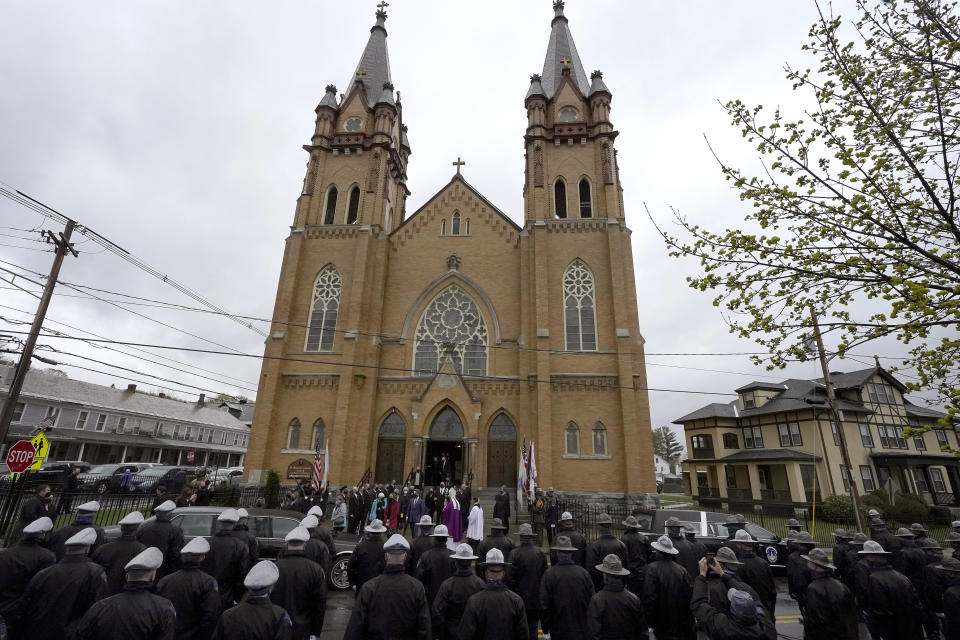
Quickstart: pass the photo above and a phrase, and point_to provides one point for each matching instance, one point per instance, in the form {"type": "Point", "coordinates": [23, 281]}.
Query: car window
{"type": "Point", "coordinates": [107, 468]}
{"type": "Point", "coordinates": [716, 529]}
{"type": "Point", "coordinates": [195, 524]}
{"type": "Point", "coordinates": [759, 532]}
{"type": "Point", "coordinates": [283, 526]}
{"type": "Point", "coordinates": [260, 526]}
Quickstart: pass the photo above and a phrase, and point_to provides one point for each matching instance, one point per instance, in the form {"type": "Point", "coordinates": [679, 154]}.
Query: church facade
{"type": "Point", "coordinates": [447, 337]}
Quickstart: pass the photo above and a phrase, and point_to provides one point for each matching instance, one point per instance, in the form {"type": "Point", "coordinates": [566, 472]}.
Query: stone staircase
{"type": "Point", "coordinates": [487, 497]}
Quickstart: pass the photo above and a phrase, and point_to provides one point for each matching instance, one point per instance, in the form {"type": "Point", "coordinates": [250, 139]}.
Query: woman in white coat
{"type": "Point", "coordinates": [475, 525]}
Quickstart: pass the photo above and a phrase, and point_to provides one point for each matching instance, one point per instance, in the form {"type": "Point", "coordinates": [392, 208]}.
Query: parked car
{"type": "Point", "coordinates": [226, 475]}
{"type": "Point", "coordinates": [52, 472]}
{"type": "Point", "coordinates": [107, 477]}
{"type": "Point", "coordinates": [269, 525]}
{"type": "Point", "coordinates": [147, 480]}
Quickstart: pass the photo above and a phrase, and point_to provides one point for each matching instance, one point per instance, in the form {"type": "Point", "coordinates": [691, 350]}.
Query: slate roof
{"type": "Point", "coordinates": [753, 455]}
{"type": "Point", "coordinates": [561, 46]}
{"type": "Point", "coordinates": [922, 412]}
{"type": "Point", "coordinates": [374, 63]}
{"type": "Point", "coordinates": [713, 410]}
{"type": "Point", "coordinates": [774, 386]}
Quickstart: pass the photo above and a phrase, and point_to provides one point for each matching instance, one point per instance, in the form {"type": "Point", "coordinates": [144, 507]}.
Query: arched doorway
{"type": "Point", "coordinates": [502, 452]}
{"type": "Point", "coordinates": [444, 461]}
{"type": "Point", "coordinates": [390, 449]}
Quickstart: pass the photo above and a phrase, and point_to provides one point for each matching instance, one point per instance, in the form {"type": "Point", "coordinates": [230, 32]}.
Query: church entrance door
{"type": "Point", "coordinates": [390, 449]}
{"type": "Point", "coordinates": [444, 456]}
{"type": "Point", "coordinates": [502, 452]}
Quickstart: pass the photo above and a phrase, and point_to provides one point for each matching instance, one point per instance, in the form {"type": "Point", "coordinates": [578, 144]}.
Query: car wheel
{"type": "Point", "coordinates": [339, 580]}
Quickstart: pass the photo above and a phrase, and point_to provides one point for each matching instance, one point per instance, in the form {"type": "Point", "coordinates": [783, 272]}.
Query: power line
{"type": "Point", "coordinates": [16, 246]}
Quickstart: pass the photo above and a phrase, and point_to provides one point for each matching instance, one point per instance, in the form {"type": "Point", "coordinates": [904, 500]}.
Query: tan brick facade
{"type": "Point", "coordinates": [392, 267]}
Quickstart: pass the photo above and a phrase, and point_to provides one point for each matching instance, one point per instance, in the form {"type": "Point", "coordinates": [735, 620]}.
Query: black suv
{"type": "Point", "coordinates": [107, 477]}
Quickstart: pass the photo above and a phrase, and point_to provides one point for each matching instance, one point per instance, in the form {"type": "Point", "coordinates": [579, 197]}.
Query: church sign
{"type": "Point", "coordinates": [300, 468]}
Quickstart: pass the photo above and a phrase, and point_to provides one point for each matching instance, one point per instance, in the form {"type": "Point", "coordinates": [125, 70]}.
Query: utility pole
{"type": "Point", "coordinates": [63, 247]}
{"type": "Point", "coordinates": [838, 420]}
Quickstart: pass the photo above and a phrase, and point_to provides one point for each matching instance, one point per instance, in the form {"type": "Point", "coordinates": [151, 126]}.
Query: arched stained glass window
{"type": "Point", "coordinates": [578, 307]}
{"type": "Point", "coordinates": [455, 227]}
{"type": "Point", "coordinates": [586, 204]}
{"type": "Point", "coordinates": [560, 198]}
{"type": "Point", "coordinates": [323, 310]}
{"type": "Point", "coordinates": [599, 439]}
{"type": "Point", "coordinates": [451, 322]}
{"type": "Point", "coordinates": [331, 207]}
{"type": "Point", "coordinates": [573, 439]}
{"type": "Point", "coordinates": [319, 435]}
{"type": "Point", "coordinates": [353, 205]}
{"type": "Point", "coordinates": [293, 434]}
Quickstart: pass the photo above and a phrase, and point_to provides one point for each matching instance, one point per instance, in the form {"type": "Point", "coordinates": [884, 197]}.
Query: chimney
{"type": "Point", "coordinates": [162, 395]}
{"type": "Point", "coordinates": [201, 402]}
{"type": "Point", "coordinates": [131, 388]}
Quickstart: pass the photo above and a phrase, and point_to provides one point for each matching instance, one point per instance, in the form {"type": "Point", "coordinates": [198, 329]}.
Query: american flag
{"type": "Point", "coordinates": [316, 469]}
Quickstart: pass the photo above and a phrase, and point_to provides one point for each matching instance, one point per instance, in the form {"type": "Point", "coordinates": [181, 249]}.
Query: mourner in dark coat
{"type": "Point", "coordinates": [84, 520]}
{"type": "Point", "coordinates": [501, 508]}
{"type": "Point", "coordinates": [228, 560]}
{"type": "Point", "coordinates": [193, 593]}
{"type": "Point", "coordinates": [34, 508]}
{"type": "Point", "coordinates": [565, 593]}
{"type": "Point", "coordinates": [567, 528]}
{"type": "Point", "coordinates": [114, 556]}
{"type": "Point", "coordinates": [302, 587]}
{"type": "Point", "coordinates": [615, 613]}
{"type": "Point", "coordinates": [435, 565]}
{"type": "Point", "coordinates": [256, 617]}
{"type": "Point", "coordinates": [18, 564]}
{"type": "Point", "coordinates": [889, 602]}
{"type": "Point", "coordinates": [831, 612]}
{"type": "Point", "coordinates": [667, 588]}
{"type": "Point", "coordinates": [496, 540]}
{"type": "Point", "coordinates": [451, 600]}
{"type": "Point", "coordinates": [163, 534]}
{"type": "Point", "coordinates": [496, 613]}
{"type": "Point", "coordinates": [602, 547]}
{"type": "Point", "coordinates": [366, 562]}
{"type": "Point", "coordinates": [637, 555]}
{"type": "Point", "coordinates": [527, 566]}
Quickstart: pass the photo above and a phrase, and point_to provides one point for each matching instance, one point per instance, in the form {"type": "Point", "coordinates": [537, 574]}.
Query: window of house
{"type": "Point", "coordinates": [157, 426]}
{"type": "Point", "coordinates": [293, 436]}
{"type": "Point", "coordinates": [731, 475]}
{"type": "Point", "coordinates": [82, 420]}
{"type": "Point", "coordinates": [53, 413]}
{"type": "Point", "coordinates": [319, 435]}
{"type": "Point", "coordinates": [866, 474]}
{"type": "Point", "coordinates": [121, 424]}
{"type": "Point", "coordinates": [324, 309]}
{"type": "Point", "coordinates": [939, 486]}
{"type": "Point", "coordinates": [223, 437]}
{"type": "Point", "coordinates": [101, 421]}
{"type": "Point", "coordinates": [920, 480]}
{"type": "Point", "coordinates": [790, 435]}
{"type": "Point", "coordinates": [18, 410]}
{"type": "Point", "coordinates": [942, 437]}
{"type": "Point", "coordinates": [466, 227]}
{"type": "Point", "coordinates": [136, 426]}
{"type": "Point", "coordinates": [753, 438]}
{"type": "Point", "coordinates": [730, 441]}
{"type": "Point", "coordinates": [573, 439]}
{"type": "Point", "coordinates": [210, 435]}
{"type": "Point", "coordinates": [188, 433]}
{"type": "Point", "coordinates": [749, 399]}
{"type": "Point", "coordinates": [845, 475]}
{"type": "Point", "coordinates": [330, 209]}
{"type": "Point", "coordinates": [353, 205]}
{"type": "Point", "coordinates": [560, 198]}
{"type": "Point", "coordinates": [599, 440]}
{"type": "Point", "coordinates": [236, 439]}
{"type": "Point", "coordinates": [455, 224]}
{"type": "Point", "coordinates": [835, 433]}
{"type": "Point", "coordinates": [200, 434]}
{"type": "Point", "coordinates": [919, 443]}
{"type": "Point", "coordinates": [452, 319]}
{"type": "Point", "coordinates": [881, 393]}
{"type": "Point", "coordinates": [891, 437]}
{"type": "Point", "coordinates": [586, 206]}
{"type": "Point", "coordinates": [866, 436]}
{"type": "Point", "coordinates": [701, 442]}
{"type": "Point", "coordinates": [578, 302]}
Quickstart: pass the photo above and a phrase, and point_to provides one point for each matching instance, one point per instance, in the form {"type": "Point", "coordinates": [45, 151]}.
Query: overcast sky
{"type": "Point", "coordinates": [174, 129]}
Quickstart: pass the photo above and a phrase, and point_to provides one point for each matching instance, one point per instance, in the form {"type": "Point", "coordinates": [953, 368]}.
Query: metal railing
{"type": "Point", "coordinates": [708, 492]}
{"type": "Point", "coordinates": [735, 493]}
{"type": "Point", "coordinates": [775, 495]}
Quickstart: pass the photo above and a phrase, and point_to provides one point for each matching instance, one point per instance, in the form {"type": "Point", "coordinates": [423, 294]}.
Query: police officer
{"type": "Point", "coordinates": [739, 618]}
{"type": "Point", "coordinates": [919, 534]}
{"type": "Point", "coordinates": [953, 542]}
{"type": "Point", "coordinates": [576, 539]}
{"type": "Point", "coordinates": [163, 534]}
{"type": "Point", "coordinates": [528, 564]}
{"type": "Point", "coordinates": [912, 560]}
{"type": "Point", "coordinates": [879, 533]}
{"type": "Point", "coordinates": [451, 599]}
{"type": "Point", "coordinates": [392, 604]}
{"type": "Point", "coordinates": [57, 597]}
{"type": "Point", "coordinates": [831, 612]}
{"type": "Point", "coordinates": [615, 612]}
{"type": "Point", "coordinates": [194, 594]}
{"type": "Point", "coordinates": [888, 600]}
{"type": "Point", "coordinates": [495, 612]}
{"type": "Point", "coordinates": [798, 575]}
{"type": "Point", "coordinates": [83, 520]}
{"type": "Point", "coordinates": [686, 553]}
{"type": "Point", "coordinates": [316, 550]}
{"type": "Point", "coordinates": [930, 586]}
{"type": "Point", "coordinates": [841, 544]}
{"type": "Point", "coordinates": [255, 617]}
{"type": "Point", "coordinates": [690, 533]}
{"type": "Point", "coordinates": [950, 569]}
{"type": "Point", "coordinates": [227, 560]}
{"type": "Point", "coordinates": [421, 543]}
{"type": "Point", "coordinates": [636, 556]}
{"type": "Point", "coordinates": [794, 525]}
{"type": "Point", "coordinates": [367, 560]}
{"type": "Point", "coordinates": [18, 564]}
{"type": "Point", "coordinates": [755, 571]}
{"type": "Point", "coordinates": [302, 587]}
{"type": "Point", "coordinates": [242, 532]}
{"type": "Point", "coordinates": [320, 532]}
{"type": "Point", "coordinates": [602, 547]}
{"type": "Point", "coordinates": [565, 593]}
{"type": "Point", "coordinates": [134, 613]}
{"type": "Point", "coordinates": [435, 565]}
{"type": "Point", "coordinates": [853, 561]}
{"type": "Point", "coordinates": [667, 588]}
{"type": "Point", "coordinates": [114, 556]}
{"type": "Point", "coordinates": [496, 540]}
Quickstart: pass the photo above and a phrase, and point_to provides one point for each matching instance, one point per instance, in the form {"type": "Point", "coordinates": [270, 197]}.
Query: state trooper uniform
{"type": "Point", "coordinates": [950, 568]}
{"type": "Point", "coordinates": [686, 552]}
{"type": "Point", "coordinates": [18, 564]}
{"type": "Point", "coordinates": [496, 540]}
{"type": "Point", "coordinates": [366, 561]}
{"type": "Point", "coordinates": [602, 547]}
{"type": "Point", "coordinates": [393, 604]}
{"type": "Point", "coordinates": [164, 535]}
{"type": "Point", "coordinates": [315, 549]}
{"type": "Point", "coordinates": [451, 599]}
{"type": "Point", "coordinates": [565, 593]}
{"type": "Point", "coordinates": [755, 571]}
{"type": "Point", "coordinates": [242, 532]}
{"type": "Point", "coordinates": [228, 560]}
{"type": "Point", "coordinates": [798, 574]}
{"type": "Point", "coordinates": [637, 555]}
{"type": "Point", "coordinates": [134, 613]}
{"type": "Point", "coordinates": [57, 597]}
{"type": "Point", "coordinates": [194, 594]}
{"type": "Point", "coordinates": [256, 617]}
{"type": "Point", "coordinates": [435, 565]}
{"type": "Point", "coordinates": [320, 532]}
{"type": "Point", "coordinates": [302, 587]}
{"type": "Point", "coordinates": [576, 539]}
{"type": "Point", "coordinates": [421, 544]}
{"type": "Point", "coordinates": [527, 566]}
{"type": "Point", "coordinates": [667, 588]}
{"type": "Point", "coordinates": [84, 520]}
{"type": "Point", "coordinates": [615, 612]}
{"type": "Point", "coordinates": [831, 611]}
{"type": "Point", "coordinates": [886, 597]}
{"type": "Point", "coordinates": [114, 556]}
{"type": "Point", "coordinates": [496, 612]}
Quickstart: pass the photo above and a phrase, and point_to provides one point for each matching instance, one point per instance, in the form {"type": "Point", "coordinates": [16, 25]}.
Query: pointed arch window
{"type": "Point", "coordinates": [560, 198]}
{"type": "Point", "coordinates": [323, 310]}
{"type": "Point", "coordinates": [293, 434]}
{"type": "Point", "coordinates": [599, 439]}
{"type": "Point", "coordinates": [455, 226]}
{"type": "Point", "coordinates": [319, 435]}
{"type": "Point", "coordinates": [578, 308]}
{"type": "Point", "coordinates": [353, 205]}
{"type": "Point", "coordinates": [330, 209]}
{"type": "Point", "coordinates": [586, 203]}
{"type": "Point", "coordinates": [451, 323]}
{"type": "Point", "coordinates": [466, 227]}
{"type": "Point", "coordinates": [573, 439]}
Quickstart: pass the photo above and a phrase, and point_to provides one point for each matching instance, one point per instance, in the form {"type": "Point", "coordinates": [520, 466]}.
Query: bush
{"type": "Point", "coordinates": [940, 515]}
{"type": "Point", "coordinates": [272, 490]}
{"type": "Point", "coordinates": [908, 508]}
{"type": "Point", "coordinates": [878, 499]}
{"type": "Point", "coordinates": [837, 508]}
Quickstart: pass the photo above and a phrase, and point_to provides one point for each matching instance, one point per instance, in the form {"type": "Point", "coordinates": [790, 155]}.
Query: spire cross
{"type": "Point", "coordinates": [383, 5]}
{"type": "Point", "coordinates": [361, 73]}
{"type": "Point", "coordinates": [459, 163]}
{"type": "Point", "coordinates": [565, 60]}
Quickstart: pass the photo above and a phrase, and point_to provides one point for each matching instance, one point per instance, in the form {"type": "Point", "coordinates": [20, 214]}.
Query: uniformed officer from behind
{"type": "Point", "coordinates": [755, 571]}
{"type": "Point", "coordinates": [576, 539]}
{"type": "Point", "coordinates": [602, 547]}
{"type": "Point", "coordinates": [193, 592]}
{"type": "Point", "coordinates": [367, 561]}
{"type": "Point", "coordinates": [18, 564]}
{"type": "Point", "coordinates": [798, 575]}
{"type": "Point", "coordinates": [57, 597]}
{"type": "Point", "coordinates": [435, 565]}
{"type": "Point", "coordinates": [315, 549]}
{"type": "Point", "coordinates": [690, 534]}
{"type": "Point", "coordinates": [163, 534]}
{"type": "Point", "coordinates": [666, 593]}
{"type": "Point", "coordinates": [114, 556]}
{"type": "Point", "coordinates": [421, 543]}
{"type": "Point", "coordinates": [687, 554]}
{"type": "Point", "coordinates": [393, 604]}
{"type": "Point", "coordinates": [528, 564]}
{"type": "Point", "coordinates": [496, 613]}
{"type": "Point", "coordinates": [889, 602]}
{"type": "Point", "coordinates": [256, 617]}
{"type": "Point", "coordinates": [565, 592]}
{"type": "Point", "coordinates": [228, 559]}
{"type": "Point", "coordinates": [241, 531]}
{"type": "Point", "coordinates": [320, 532]}
{"type": "Point", "coordinates": [302, 587]}
{"type": "Point", "coordinates": [831, 612]}
{"type": "Point", "coordinates": [637, 554]}
{"type": "Point", "coordinates": [451, 599]}
{"type": "Point", "coordinates": [614, 611]}
{"type": "Point", "coordinates": [496, 540]}
{"type": "Point", "coordinates": [83, 520]}
{"type": "Point", "coordinates": [136, 612]}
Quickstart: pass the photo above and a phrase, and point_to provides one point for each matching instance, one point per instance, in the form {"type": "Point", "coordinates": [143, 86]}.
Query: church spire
{"type": "Point", "coordinates": [562, 56]}
{"type": "Point", "coordinates": [373, 70]}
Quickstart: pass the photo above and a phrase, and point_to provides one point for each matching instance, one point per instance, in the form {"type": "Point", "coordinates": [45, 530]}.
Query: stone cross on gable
{"type": "Point", "coordinates": [459, 163]}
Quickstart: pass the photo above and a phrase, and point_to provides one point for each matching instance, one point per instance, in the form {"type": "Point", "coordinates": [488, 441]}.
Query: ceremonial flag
{"type": "Point", "coordinates": [326, 461]}
{"type": "Point", "coordinates": [521, 474]}
{"type": "Point", "coordinates": [316, 469]}
{"type": "Point", "coordinates": [532, 467]}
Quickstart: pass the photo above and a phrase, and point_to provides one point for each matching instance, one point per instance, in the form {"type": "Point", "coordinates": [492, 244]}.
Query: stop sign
{"type": "Point", "coordinates": [20, 456]}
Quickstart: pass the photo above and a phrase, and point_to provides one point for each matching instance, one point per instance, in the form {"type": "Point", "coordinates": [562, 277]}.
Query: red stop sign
{"type": "Point", "coordinates": [20, 456]}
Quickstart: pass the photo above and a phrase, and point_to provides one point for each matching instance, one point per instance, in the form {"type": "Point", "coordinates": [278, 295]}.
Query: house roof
{"type": "Point", "coordinates": [921, 412]}
{"type": "Point", "coordinates": [712, 410]}
{"type": "Point", "coordinates": [753, 455]}
{"type": "Point", "coordinates": [373, 70]}
{"type": "Point", "coordinates": [773, 386]}
{"type": "Point", "coordinates": [561, 48]}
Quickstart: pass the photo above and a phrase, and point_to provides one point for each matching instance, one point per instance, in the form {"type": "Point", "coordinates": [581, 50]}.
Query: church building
{"type": "Point", "coordinates": [451, 335]}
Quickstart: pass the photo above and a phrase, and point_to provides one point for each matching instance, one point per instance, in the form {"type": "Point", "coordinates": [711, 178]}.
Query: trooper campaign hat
{"type": "Point", "coordinates": [564, 544]}
{"type": "Point", "coordinates": [612, 565]}
{"type": "Point", "coordinates": [631, 522]}
{"type": "Point", "coordinates": [859, 538]}
{"type": "Point", "coordinates": [930, 543]}
{"type": "Point", "coordinates": [916, 527]}
{"type": "Point", "coordinates": [673, 521]}
{"type": "Point", "coordinates": [742, 535]}
{"type": "Point", "coordinates": [464, 552]}
{"type": "Point", "coordinates": [497, 524]}
{"type": "Point", "coordinates": [525, 531]}
{"type": "Point", "coordinates": [494, 559]}
{"type": "Point", "coordinates": [727, 556]}
{"type": "Point", "coordinates": [440, 531]}
{"type": "Point", "coordinates": [604, 519]}
{"type": "Point", "coordinates": [737, 518]}
{"type": "Point", "coordinates": [903, 532]}
{"type": "Point", "coordinates": [950, 564]}
{"type": "Point", "coordinates": [663, 544]}
{"type": "Point", "coordinates": [872, 548]}
{"type": "Point", "coordinates": [818, 557]}
{"type": "Point", "coordinates": [566, 516]}
{"type": "Point", "coordinates": [425, 521]}
{"type": "Point", "coordinates": [375, 526]}
{"type": "Point", "coordinates": [804, 537]}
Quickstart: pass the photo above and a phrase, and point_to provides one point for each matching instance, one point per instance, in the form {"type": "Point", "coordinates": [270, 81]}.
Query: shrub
{"type": "Point", "coordinates": [909, 508]}
{"type": "Point", "coordinates": [272, 490]}
{"type": "Point", "coordinates": [940, 515]}
{"type": "Point", "coordinates": [837, 508]}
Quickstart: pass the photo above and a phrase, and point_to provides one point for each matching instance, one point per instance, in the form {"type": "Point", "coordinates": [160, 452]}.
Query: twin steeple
{"type": "Point", "coordinates": [373, 70]}
{"type": "Point", "coordinates": [562, 55]}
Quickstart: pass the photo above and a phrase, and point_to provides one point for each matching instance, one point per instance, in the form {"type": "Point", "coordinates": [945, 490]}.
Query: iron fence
{"type": "Point", "coordinates": [586, 515]}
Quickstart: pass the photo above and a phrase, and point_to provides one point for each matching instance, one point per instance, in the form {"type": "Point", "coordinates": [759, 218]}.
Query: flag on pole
{"type": "Point", "coordinates": [326, 461]}
{"type": "Point", "coordinates": [522, 474]}
{"type": "Point", "coordinates": [316, 469]}
{"type": "Point", "coordinates": [532, 467]}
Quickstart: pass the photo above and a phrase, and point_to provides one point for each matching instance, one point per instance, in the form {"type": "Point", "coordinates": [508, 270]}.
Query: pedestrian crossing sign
{"type": "Point", "coordinates": [40, 447]}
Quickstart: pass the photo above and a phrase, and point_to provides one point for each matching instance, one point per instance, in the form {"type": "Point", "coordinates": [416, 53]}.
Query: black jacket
{"type": "Point", "coordinates": [720, 625]}
{"type": "Point", "coordinates": [242, 532]}
{"type": "Point", "coordinates": [501, 507]}
{"type": "Point", "coordinates": [391, 606]}
{"type": "Point", "coordinates": [615, 614]}
{"type": "Point", "coordinates": [302, 592]}
{"type": "Point", "coordinates": [638, 556]}
{"type": "Point", "coordinates": [911, 562]}
{"type": "Point", "coordinates": [798, 576]}
{"type": "Point", "coordinates": [451, 601]}
{"type": "Point", "coordinates": [57, 597]}
{"type": "Point", "coordinates": [887, 540]}
{"type": "Point", "coordinates": [666, 600]}
{"type": "Point", "coordinates": [496, 613]}
{"type": "Point", "coordinates": [889, 600]}
{"type": "Point", "coordinates": [420, 545]}
{"type": "Point", "coordinates": [32, 509]}
{"type": "Point", "coordinates": [840, 550]}
{"type": "Point", "coordinates": [228, 562]}
{"type": "Point", "coordinates": [600, 549]}
{"type": "Point", "coordinates": [167, 537]}
{"type": "Point", "coordinates": [578, 541]}
{"type": "Point", "coordinates": [688, 554]}
{"type": "Point", "coordinates": [196, 599]}
{"type": "Point", "coordinates": [318, 552]}
{"type": "Point", "coordinates": [113, 557]}
{"type": "Point", "coordinates": [366, 561]}
{"type": "Point", "coordinates": [64, 533]}
{"type": "Point", "coordinates": [719, 585]}
{"type": "Point", "coordinates": [756, 572]}
{"type": "Point", "coordinates": [951, 610]}
{"type": "Point", "coordinates": [18, 564]}
{"type": "Point", "coordinates": [831, 612]}
{"type": "Point", "coordinates": [134, 613]}
{"type": "Point", "coordinates": [320, 533]}
{"type": "Point", "coordinates": [496, 540]}
{"type": "Point", "coordinates": [254, 619]}
{"type": "Point", "coordinates": [435, 566]}
{"type": "Point", "coordinates": [565, 593]}
{"type": "Point", "coordinates": [529, 565]}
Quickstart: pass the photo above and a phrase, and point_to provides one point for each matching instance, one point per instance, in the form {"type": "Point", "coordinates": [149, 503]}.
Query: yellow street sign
{"type": "Point", "coordinates": [40, 447]}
